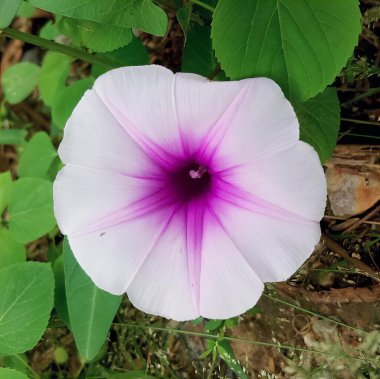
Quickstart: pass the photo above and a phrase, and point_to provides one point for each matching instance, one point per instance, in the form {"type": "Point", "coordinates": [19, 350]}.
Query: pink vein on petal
{"type": "Point", "coordinates": [184, 145]}
{"type": "Point", "coordinates": [156, 152]}
{"type": "Point", "coordinates": [220, 223]}
{"type": "Point", "coordinates": [217, 132]}
{"type": "Point", "coordinates": [164, 229]}
{"type": "Point", "coordinates": [145, 206]}
{"type": "Point", "coordinates": [238, 197]}
{"type": "Point", "coordinates": [194, 218]}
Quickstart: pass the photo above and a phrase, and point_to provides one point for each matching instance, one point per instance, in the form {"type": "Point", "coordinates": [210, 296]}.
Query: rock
{"type": "Point", "coordinates": [353, 179]}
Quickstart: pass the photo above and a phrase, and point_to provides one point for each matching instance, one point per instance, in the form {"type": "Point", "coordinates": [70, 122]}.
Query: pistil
{"type": "Point", "coordinates": [197, 174]}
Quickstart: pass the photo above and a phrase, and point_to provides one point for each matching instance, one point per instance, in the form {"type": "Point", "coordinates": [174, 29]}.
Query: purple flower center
{"type": "Point", "coordinates": [190, 181]}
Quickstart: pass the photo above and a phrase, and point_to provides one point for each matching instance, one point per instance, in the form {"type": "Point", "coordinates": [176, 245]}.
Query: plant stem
{"type": "Point", "coordinates": [219, 337]}
{"type": "Point", "coordinates": [203, 5]}
{"type": "Point", "coordinates": [24, 363]}
{"type": "Point", "coordinates": [360, 121]}
{"type": "Point", "coordinates": [343, 270]}
{"type": "Point", "coordinates": [236, 339]}
{"type": "Point", "coordinates": [276, 299]}
{"type": "Point", "coordinates": [213, 364]}
{"type": "Point", "coordinates": [370, 92]}
{"type": "Point", "coordinates": [54, 46]}
{"type": "Point", "coordinates": [359, 135]}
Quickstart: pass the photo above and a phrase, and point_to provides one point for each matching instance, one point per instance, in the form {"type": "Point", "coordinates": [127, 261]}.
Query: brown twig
{"type": "Point", "coordinates": [365, 218]}
{"type": "Point", "coordinates": [326, 217]}
{"type": "Point", "coordinates": [361, 266]}
{"type": "Point", "coordinates": [333, 296]}
{"type": "Point", "coordinates": [36, 118]}
{"type": "Point", "coordinates": [14, 49]}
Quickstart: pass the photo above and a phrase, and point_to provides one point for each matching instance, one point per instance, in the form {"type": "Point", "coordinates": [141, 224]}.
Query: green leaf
{"type": "Point", "coordinates": [18, 362]}
{"type": "Point", "coordinates": [207, 352]}
{"type": "Point", "coordinates": [227, 354]}
{"type": "Point", "coordinates": [31, 209]}
{"type": "Point", "coordinates": [8, 9]}
{"type": "Point", "coordinates": [134, 54]}
{"type": "Point", "coordinates": [231, 322]}
{"type": "Point", "coordinates": [37, 157]}
{"type": "Point", "coordinates": [11, 251]}
{"type": "Point", "coordinates": [204, 13]}
{"type": "Point", "coordinates": [96, 36]}
{"type": "Point", "coordinates": [19, 80]}
{"type": "Point", "coordinates": [319, 119]}
{"type": "Point", "coordinates": [67, 99]}
{"type": "Point", "coordinates": [26, 300]}
{"type": "Point", "coordinates": [198, 320]}
{"type": "Point", "coordinates": [49, 31]}
{"type": "Point", "coordinates": [12, 136]}
{"type": "Point", "coordinates": [91, 309]}
{"type": "Point", "coordinates": [8, 373]}
{"type": "Point", "coordinates": [254, 310]}
{"type": "Point", "coordinates": [198, 56]}
{"type": "Point", "coordinates": [213, 325]}
{"type": "Point", "coordinates": [140, 14]}
{"type": "Point", "coordinates": [183, 16]}
{"type": "Point", "coordinates": [54, 168]}
{"type": "Point", "coordinates": [26, 10]}
{"type": "Point", "coordinates": [5, 190]}
{"type": "Point", "coordinates": [60, 299]}
{"type": "Point", "coordinates": [52, 78]}
{"type": "Point", "coordinates": [302, 45]}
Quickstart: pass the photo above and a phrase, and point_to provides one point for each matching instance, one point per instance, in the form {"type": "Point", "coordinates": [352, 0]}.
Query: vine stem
{"type": "Point", "coordinates": [369, 92]}
{"type": "Point", "coordinates": [219, 337]}
{"type": "Point", "coordinates": [213, 363]}
{"type": "Point", "coordinates": [359, 135]}
{"type": "Point", "coordinates": [57, 47]}
{"type": "Point", "coordinates": [24, 363]}
{"type": "Point", "coordinates": [236, 339]}
{"type": "Point", "coordinates": [360, 121]}
{"type": "Point", "coordinates": [203, 5]}
{"type": "Point", "coordinates": [295, 306]}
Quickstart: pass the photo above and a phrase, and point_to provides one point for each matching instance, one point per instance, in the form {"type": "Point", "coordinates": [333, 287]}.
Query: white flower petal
{"type": "Point", "coordinates": [162, 286]}
{"type": "Point", "coordinates": [146, 258]}
{"type": "Point", "coordinates": [275, 248]}
{"type": "Point", "coordinates": [94, 138]}
{"type": "Point", "coordinates": [199, 104]}
{"type": "Point", "coordinates": [293, 179]}
{"type": "Point", "coordinates": [261, 122]}
{"type": "Point", "coordinates": [142, 100]}
{"type": "Point", "coordinates": [229, 286]}
{"type": "Point", "coordinates": [112, 255]}
{"type": "Point", "coordinates": [84, 195]}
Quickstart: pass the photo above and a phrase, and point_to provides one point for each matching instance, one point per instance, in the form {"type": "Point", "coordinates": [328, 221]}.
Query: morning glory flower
{"type": "Point", "coordinates": [187, 194]}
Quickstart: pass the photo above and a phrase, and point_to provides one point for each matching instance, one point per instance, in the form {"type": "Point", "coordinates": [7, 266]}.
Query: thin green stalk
{"type": "Point", "coordinates": [354, 121]}
{"type": "Point", "coordinates": [370, 92]}
{"type": "Point", "coordinates": [361, 135]}
{"type": "Point", "coordinates": [59, 48]}
{"type": "Point", "coordinates": [24, 363]}
{"type": "Point", "coordinates": [213, 362]}
{"type": "Point", "coordinates": [341, 135]}
{"type": "Point", "coordinates": [235, 339]}
{"type": "Point", "coordinates": [324, 365]}
{"type": "Point", "coordinates": [203, 5]}
{"type": "Point", "coordinates": [219, 337]}
{"type": "Point", "coordinates": [278, 300]}
{"type": "Point", "coordinates": [347, 271]}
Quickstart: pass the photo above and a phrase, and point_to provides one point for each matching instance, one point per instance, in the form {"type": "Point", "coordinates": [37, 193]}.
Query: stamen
{"type": "Point", "coordinates": [197, 174]}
